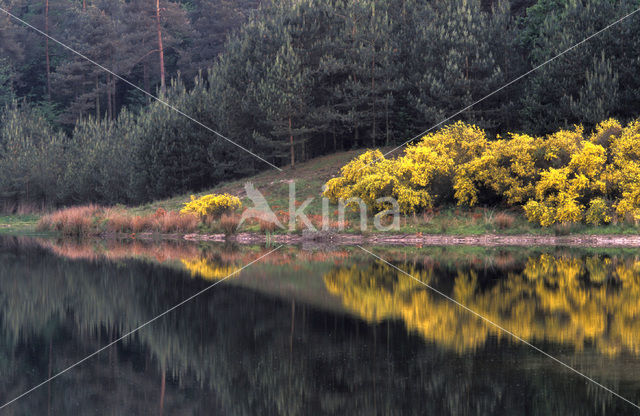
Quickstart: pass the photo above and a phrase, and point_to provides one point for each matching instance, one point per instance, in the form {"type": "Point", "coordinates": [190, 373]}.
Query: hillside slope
{"type": "Point", "coordinates": [309, 177]}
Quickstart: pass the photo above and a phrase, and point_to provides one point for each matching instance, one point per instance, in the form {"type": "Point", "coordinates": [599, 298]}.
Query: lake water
{"type": "Point", "coordinates": [311, 331]}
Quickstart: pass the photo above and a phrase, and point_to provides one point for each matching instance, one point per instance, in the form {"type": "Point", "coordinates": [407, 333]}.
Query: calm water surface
{"type": "Point", "coordinates": [310, 332]}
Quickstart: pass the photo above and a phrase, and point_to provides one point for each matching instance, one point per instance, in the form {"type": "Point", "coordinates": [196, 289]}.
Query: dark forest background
{"type": "Point", "coordinates": [287, 79]}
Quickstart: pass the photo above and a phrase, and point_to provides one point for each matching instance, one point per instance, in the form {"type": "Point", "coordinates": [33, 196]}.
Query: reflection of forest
{"type": "Point", "coordinates": [239, 351]}
{"type": "Point", "coordinates": [568, 300]}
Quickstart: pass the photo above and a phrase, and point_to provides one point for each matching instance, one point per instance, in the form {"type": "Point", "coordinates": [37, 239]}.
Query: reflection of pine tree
{"type": "Point", "coordinates": [236, 347]}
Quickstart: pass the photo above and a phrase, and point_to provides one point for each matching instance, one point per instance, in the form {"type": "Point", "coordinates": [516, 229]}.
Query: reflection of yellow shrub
{"type": "Point", "coordinates": [207, 270]}
{"type": "Point", "coordinates": [211, 205]}
{"type": "Point", "coordinates": [561, 178]}
{"type": "Point", "coordinates": [558, 299]}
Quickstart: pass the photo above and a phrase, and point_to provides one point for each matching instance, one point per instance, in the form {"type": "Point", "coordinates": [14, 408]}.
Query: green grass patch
{"type": "Point", "coordinates": [18, 224]}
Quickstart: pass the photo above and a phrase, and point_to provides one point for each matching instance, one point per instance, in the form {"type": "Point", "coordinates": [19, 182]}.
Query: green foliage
{"type": "Point", "coordinates": [7, 93]}
{"type": "Point", "coordinates": [587, 85]}
{"type": "Point", "coordinates": [32, 156]}
{"type": "Point", "coordinates": [301, 78]}
{"type": "Point", "coordinates": [561, 178]}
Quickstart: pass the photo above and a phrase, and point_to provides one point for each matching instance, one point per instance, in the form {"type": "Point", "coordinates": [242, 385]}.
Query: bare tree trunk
{"type": "Point", "coordinates": [145, 69]}
{"type": "Point", "coordinates": [84, 5]}
{"type": "Point", "coordinates": [386, 114]}
{"type": "Point", "coordinates": [98, 98]}
{"type": "Point", "coordinates": [335, 140]}
{"type": "Point", "coordinates": [113, 97]}
{"type": "Point", "coordinates": [108, 88]}
{"type": "Point", "coordinates": [356, 135]}
{"type": "Point", "coordinates": [373, 98]}
{"type": "Point", "coordinates": [160, 48]}
{"type": "Point", "coordinates": [46, 47]}
{"type": "Point", "coordinates": [293, 150]}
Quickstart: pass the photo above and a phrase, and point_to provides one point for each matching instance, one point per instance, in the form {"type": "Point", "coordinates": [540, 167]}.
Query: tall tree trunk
{"type": "Point", "coordinates": [46, 47]}
{"type": "Point", "coordinates": [356, 136]}
{"type": "Point", "coordinates": [335, 139]}
{"type": "Point", "coordinates": [387, 124]}
{"type": "Point", "coordinates": [113, 97]}
{"type": "Point", "coordinates": [108, 88]}
{"type": "Point", "coordinates": [373, 98]}
{"type": "Point", "coordinates": [293, 149]}
{"type": "Point", "coordinates": [84, 5]}
{"type": "Point", "coordinates": [160, 48]}
{"type": "Point", "coordinates": [98, 98]}
{"type": "Point", "coordinates": [145, 69]}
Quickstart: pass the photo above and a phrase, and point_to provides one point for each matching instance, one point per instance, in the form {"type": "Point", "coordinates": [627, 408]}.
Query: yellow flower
{"type": "Point", "coordinates": [212, 205]}
{"type": "Point", "coordinates": [554, 177]}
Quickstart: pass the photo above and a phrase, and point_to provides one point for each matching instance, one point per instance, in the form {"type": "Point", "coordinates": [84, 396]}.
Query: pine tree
{"type": "Point", "coordinates": [31, 157]}
{"type": "Point", "coordinates": [456, 63]}
{"type": "Point", "coordinates": [213, 21]}
{"type": "Point", "coordinates": [284, 96]}
{"type": "Point", "coordinates": [551, 27]}
{"type": "Point", "coordinates": [7, 93]}
{"type": "Point", "coordinates": [598, 97]}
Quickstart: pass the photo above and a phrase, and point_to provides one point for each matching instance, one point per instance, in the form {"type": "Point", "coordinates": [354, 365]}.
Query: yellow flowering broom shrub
{"type": "Point", "coordinates": [212, 205]}
{"type": "Point", "coordinates": [368, 177]}
{"type": "Point", "coordinates": [623, 173]}
{"type": "Point", "coordinates": [563, 194]}
{"type": "Point", "coordinates": [419, 179]}
{"type": "Point", "coordinates": [507, 167]}
{"type": "Point", "coordinates": [433, 165]}
{"type": "Point", "coordinates": [598, 212]}
{"type": "Point", "coordinates": [561, 178]}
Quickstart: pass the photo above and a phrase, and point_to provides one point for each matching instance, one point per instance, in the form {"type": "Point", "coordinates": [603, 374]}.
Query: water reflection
{"type": "Point", "coordinates": [277, 340]}
{"type": "Point", "coordinates": [577, 301]}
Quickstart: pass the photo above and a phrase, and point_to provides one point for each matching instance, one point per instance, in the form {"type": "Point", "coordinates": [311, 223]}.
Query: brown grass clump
{"type": "Point", "coordinates": [92, 220]}
{"type": "Point", "coordinates": [229, 223]}
{"type": "Point", "coordinates": [139, 224]}
{"type": "Point", "coordinates": [267, 226]}
{"type": "Point", "coordinates": [116, 221]}
{"type": "Point", "coordinates": [175, 222]}
{"type": "Point", "coordinates": [503, 220]}
{"type": "Point", "coordinates": [73, 221]}
{"type": "Point", "coordinates": [161, 222]}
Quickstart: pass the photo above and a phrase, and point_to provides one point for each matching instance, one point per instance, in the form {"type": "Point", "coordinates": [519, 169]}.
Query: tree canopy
{"type": "Point", "coordinates": [292, 79]}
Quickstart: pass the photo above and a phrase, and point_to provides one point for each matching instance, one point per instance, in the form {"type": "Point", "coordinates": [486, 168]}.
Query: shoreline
{"type": "Point", "coordinates": [322, 239]}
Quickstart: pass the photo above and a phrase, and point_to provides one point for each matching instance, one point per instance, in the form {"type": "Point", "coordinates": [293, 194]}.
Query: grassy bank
{"type": "Point", "coordinates": [161, 216]}
{"type": "Point", "coordinates": [18, 224]}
